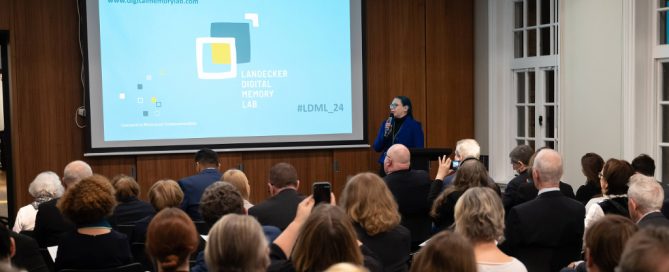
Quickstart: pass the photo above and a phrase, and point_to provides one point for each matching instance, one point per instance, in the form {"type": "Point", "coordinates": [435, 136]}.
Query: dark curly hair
{"type": "Point", "coordinates": [219, 199]}
{"type": "Point", "coordinates": [88, 201]}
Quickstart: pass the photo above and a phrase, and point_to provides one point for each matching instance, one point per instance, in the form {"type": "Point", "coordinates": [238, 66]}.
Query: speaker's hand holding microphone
{"type": "Point", "coordinates": [389, 126]}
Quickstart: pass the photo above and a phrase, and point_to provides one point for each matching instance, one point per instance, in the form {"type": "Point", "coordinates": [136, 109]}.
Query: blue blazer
{"type": "Point", "coordinates": [410, 135]}
{"type": "Point", "coordinates": [193, 187]}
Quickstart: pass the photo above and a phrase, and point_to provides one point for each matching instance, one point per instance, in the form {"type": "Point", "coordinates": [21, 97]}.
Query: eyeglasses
{"type": "Point", "coordinates": [393, 106]}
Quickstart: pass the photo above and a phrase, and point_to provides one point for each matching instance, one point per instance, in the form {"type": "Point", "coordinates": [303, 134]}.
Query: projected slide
{"type": "Point", "coordinates": [226, 70]}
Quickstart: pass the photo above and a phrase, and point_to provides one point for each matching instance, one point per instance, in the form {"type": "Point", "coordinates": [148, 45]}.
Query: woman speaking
{"type": "Point", "coordinates": [399, 128]}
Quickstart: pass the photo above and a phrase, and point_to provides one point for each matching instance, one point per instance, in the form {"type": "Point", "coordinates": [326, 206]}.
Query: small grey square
{"type": "Point", "coordinates": [139, 86]}
{"type": "Point", "coordinates": [158, 104]}
{"type": "Point", "coordinates": [146, 113]}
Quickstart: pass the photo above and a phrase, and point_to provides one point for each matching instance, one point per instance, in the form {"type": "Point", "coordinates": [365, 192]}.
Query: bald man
{"type": "Point", "coordinates": [410, 189]}
{"type": "Point", "coordinates": [50, 224]}
{"type": "Point", "coordinates": [546, 233]}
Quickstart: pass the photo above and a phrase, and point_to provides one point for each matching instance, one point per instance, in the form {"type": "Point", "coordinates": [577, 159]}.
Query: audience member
{"type": "Point", "coordinates": [241, 182]}
{"type": "Point", "coordinates": [317, 239]}
{"type": "Point", "coordinates": [470, 174]}
{"type": "Point", "coordinates": [93, 245]}
{"type": "Point", "coordinates": [613, 180]}
{"type": "Point", "coordinates": [237, 243]}
{"type": "Point", "coordinates": [646, 251]}
{"type": "Point", "coordinates": [591, 166]}
{"type": "Point", "coordinates": [170, 240]}
{"type": "Point", "coordinates": [528, 191]}
{"type": "Point", "coordinates": [206, 165]}
{"type": "Point", "coordinates": [644, 164]}
{"type": "Point", "coordinates": [279, 210]}
{"type": "Point", "coordinates": [27, 255]}
{"type": "Point", "coordinates": [605, 240]}
{"type": "Point", "coordinates": [165, 193]}
{"type": "Point", "coordinates": [446, 251]}
{"type": "Point", "coordinates": [44, 187]}
{"type": "Point", "coordinates": [546, 233]}
{"type": "Point", "coordinates": [479, 216]}
{"type": "Point", "coordinates": [370, 204]}
{"type": "Point", "coordinates": [50, 224]}
{"type": "Point", "coordinates": [129, 208]}
{"type": "Point", "coordinates": [410, 189]}
{"type": "Point", "coordinates": [645, 198]}
{"type": "Point", "coordinates": [520, 161]}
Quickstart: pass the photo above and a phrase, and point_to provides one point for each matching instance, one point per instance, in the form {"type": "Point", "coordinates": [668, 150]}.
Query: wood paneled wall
{"type": "Point", "coordinates": [419, 48]}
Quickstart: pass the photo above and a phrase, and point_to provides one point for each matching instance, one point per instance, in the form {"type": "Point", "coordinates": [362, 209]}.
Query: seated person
{"type": "Point", "coordinates": [304, 238]}
{"type": "Point", "coordinates": [479, 216]}
{"type": "Point", "coordinates": [238, 179]}
{"type": "Point", "coordinates": [93, 245]}
{"type": "Point", "coordinates": [45, 186]}
{"type": "Point", "coordinates": [372, 208]}
{"type": "Point", "coordinates": [165, 193]}
{"type": "Point", "coordinates": [446, 251]}
{"type": "Point", "coordinates": [226, 252]}
{"type": "Point", "coordinates": [170, 240]}
{"type": "Point", "coordinates": [129, 208]}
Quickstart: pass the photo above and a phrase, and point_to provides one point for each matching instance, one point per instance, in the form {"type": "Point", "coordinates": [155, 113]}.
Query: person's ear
{"type": "Point", "coordinates": [298, 184]}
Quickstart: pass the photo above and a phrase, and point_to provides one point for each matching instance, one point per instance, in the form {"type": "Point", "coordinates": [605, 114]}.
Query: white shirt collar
{"type": "Point", "coordinates": [546, 190]}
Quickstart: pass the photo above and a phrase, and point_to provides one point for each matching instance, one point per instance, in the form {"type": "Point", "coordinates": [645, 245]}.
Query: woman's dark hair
{"type": "Point", "coordinates": [605, 240]}
{"type": "Point", "coordinates": [617, 174]}
{"type": "Point", "coordinates": [471, 173]}
{"type": "Point", "coordinates": [592, 164]}
{"type": "Point", "coordinates": [406, 102]}
{"type": "Point", "coordinates": [329, 224]}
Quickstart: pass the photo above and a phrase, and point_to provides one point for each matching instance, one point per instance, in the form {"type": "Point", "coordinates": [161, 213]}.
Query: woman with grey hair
{"type": "Point", "coordinates": [43, 188]}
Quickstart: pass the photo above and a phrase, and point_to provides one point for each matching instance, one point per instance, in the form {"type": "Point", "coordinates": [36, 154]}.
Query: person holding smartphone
{"type": "Point", "coordinates": [399, 128]}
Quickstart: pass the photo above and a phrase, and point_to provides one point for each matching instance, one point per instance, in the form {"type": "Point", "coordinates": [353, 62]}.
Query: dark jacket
{"type": "Point", "coordinates": [193, 187]}
{"type": "Point", "coordinates": [410, 189]}
{"type": "Point", "coordinates": [50, 224]}
{"type": "Point", "coordinates": [654, 219]}
{"type": "Point", "coordinates": [546, 233]}
{"type": "Point", "coordinates": [278, 210]}
{"type": "Point", "coordinates": [130, 210]}
{"type": "Point", "coordinates": [410, 134]}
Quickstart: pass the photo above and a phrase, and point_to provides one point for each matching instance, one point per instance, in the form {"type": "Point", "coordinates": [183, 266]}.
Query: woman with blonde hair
{"type": "Point", "coordinates": [370, 204]}
{"type": "Point", "coordinates": [236, 243]}
{"type": "Point", "coordinates": [170, 240]}
{"type": "Point", "coordinates": [446, 251]}
{"type": "Point", "coordinates": [479, 216]}
{"type": "Point", "coordinates": [238, 179]}
{"type": "Point", "coordinates": [165, 193]}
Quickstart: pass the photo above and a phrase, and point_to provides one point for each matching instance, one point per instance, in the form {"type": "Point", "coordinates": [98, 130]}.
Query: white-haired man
{"type": "Point", "coordinates": [645, 197]}
{"type": "Point", "coordinates": [545, 233]}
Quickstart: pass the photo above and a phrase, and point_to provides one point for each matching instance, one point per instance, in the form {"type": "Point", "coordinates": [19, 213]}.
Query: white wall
{"type": "Point", "coordinates": [590, 82]}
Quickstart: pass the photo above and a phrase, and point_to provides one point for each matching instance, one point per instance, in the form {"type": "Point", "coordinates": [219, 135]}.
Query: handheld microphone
{"type": "Point", "coordinates": [389, 126]}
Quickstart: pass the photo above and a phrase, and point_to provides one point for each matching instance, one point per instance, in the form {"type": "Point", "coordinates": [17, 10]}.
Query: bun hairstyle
{"type": "Point", "coordinates": [171, 238]}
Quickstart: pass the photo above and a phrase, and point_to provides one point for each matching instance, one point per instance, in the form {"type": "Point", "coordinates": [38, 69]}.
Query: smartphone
{"type": "Point", "coordinates": [454, 165]}
{"type": "Point", "coordinates": [322, 191]}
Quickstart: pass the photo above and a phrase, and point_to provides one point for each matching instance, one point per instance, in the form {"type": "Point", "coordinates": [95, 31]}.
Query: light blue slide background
{"type": "Point", "coordinates": [309, 39]}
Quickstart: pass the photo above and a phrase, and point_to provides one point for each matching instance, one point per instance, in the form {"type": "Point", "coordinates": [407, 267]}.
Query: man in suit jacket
{"type": "Point", "coordinates": [410, 189]}
{"type": "Point", "coordinates": [206, 164]}
{"type": "Point", "coordinates": [279, 210]}
{"type": "Point", "coordinates": [546, 233]}
{"type": "Point", "coordinates": [645, 197]}
{"type": "Point", "coordinates": [50, 224]}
